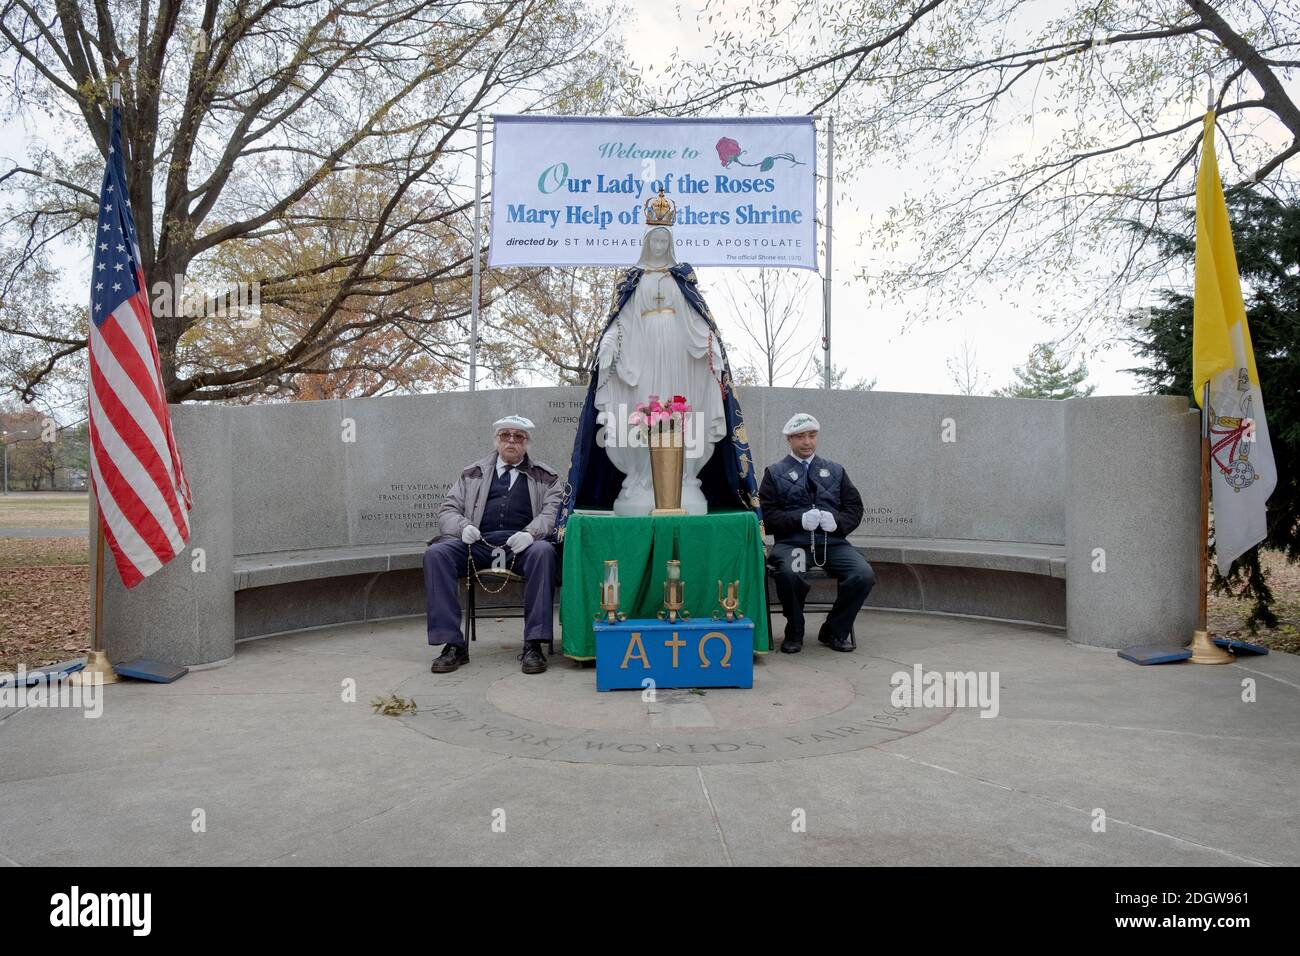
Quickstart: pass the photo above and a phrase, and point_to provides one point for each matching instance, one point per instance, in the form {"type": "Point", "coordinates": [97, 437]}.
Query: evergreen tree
{"type": "Point", "coordinates": [1266, 235]}
{"type": "Point", "coordinates": [1046, 376]}
{"type": "Point", "coordinates": [838, 374]}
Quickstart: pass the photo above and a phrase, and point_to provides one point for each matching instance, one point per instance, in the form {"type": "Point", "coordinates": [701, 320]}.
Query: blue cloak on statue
{"type": "Point", "coordinates": [727, 479]}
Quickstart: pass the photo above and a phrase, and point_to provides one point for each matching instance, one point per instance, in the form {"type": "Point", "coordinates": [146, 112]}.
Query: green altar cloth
{"type": "Point", "coordinates": [725, 545]}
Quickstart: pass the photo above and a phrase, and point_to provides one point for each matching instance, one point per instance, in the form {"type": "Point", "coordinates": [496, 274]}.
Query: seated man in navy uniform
{"type": "Point", "coordinates": [504, 500]}
{"type": "Point", "coordinates": [809, 508]}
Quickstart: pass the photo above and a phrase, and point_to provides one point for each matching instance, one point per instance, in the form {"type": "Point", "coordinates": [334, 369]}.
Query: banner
{"type": "Point", "coordinates": [571, 191]}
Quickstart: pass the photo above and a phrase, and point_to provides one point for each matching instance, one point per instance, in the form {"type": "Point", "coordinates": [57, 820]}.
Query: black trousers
{"type": "Point", "coordinates": [843, 562]}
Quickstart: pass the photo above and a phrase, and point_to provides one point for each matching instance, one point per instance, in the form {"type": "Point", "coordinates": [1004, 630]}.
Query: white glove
{"type": "Point", "coordinates": [471, 534]}
{"type": "Point", "coordinates": [828, 521]}
{"type": "Point", "coordinates": [811, 519]}
{"type": "Point", "coordinates": [518, 541]}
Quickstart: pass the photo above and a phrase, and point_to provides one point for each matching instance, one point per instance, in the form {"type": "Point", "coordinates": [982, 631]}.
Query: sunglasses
{"type": "Point", "coordinates": [517, 438]}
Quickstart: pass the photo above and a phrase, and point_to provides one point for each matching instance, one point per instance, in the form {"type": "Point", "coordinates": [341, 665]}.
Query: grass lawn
{"type": "Point", "coordinates": [41, 509]}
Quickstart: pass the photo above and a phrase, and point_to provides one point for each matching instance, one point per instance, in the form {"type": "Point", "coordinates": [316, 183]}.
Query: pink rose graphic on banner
{"type": "Point", "coordinates": [729, 152]}
{"type": "Point", "coordinates": [728, 149]}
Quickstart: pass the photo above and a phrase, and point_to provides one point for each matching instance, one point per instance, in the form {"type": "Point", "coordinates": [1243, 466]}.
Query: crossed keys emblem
{"type": "Point", "coordinates": [1230, 439]}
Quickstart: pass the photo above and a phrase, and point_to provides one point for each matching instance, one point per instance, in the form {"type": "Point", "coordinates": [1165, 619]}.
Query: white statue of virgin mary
{"type": "Point", "coordinates": [658, 345]}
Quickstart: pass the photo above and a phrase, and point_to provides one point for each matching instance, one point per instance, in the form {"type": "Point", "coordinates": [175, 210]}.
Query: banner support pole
{"type": "Point", "coordinates": [826, 281]}
{"type": "Point", "coordinates": [478, 255]}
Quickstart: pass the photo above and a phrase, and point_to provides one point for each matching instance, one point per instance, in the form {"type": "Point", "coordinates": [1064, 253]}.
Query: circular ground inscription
{"type": "Point", "coordinates": [803, 705]}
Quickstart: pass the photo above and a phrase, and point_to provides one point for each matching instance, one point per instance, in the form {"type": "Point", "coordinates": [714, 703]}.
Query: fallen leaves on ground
{"type": "Point", "coordinates": [392, 705]}
{"type": "Point", "coordinates": [1226, 616]}
{"type": "Point", "coordinates": [42, 552]}
{"type": "Point", "coordinates": [44, 613]}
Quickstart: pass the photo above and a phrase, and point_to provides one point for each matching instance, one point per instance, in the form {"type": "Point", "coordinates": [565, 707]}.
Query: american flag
{"type": "Point", "coordinates": [139, 482]}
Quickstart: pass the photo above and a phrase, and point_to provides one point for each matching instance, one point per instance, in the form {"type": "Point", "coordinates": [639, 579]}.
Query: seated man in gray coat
{"type": "Point", "coordinates": [505, 500]}
{"type": "Point", "coordinates": [809, 507]}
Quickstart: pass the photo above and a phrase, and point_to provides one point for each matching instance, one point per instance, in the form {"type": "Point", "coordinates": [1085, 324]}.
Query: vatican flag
{"type": "Point", "coordinates": [1242, 471]}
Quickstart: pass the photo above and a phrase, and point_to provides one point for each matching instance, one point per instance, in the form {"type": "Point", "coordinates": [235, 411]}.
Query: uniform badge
{"type": "Point", "coordinates": [823, 473]}
{"type": "Point", "coordinates": [794, 476]}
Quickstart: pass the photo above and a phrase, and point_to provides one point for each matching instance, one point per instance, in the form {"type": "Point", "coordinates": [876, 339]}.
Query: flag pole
{"type": "Point", "coordinates": [1204, 650]}
{"type": "Point", "coordinates": [476, 280]}
{"type": "Point", "coordinates": [98, 668]}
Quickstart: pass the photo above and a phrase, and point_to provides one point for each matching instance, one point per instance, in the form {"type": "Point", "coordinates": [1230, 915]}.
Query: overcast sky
{"type": "Point", "coordinates": [882, 342]}
{"type": "Point", "coordinates": [870, 340]}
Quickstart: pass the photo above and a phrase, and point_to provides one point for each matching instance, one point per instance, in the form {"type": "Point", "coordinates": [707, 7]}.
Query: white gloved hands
{"type": "Point", "coordinates": [811, 519]}
{"type": "Point", "coordinates": [470, 534]}
{"type": "Point", "coordinates": [828, 522]}
{"type": "Point", "coordinates": [518, 541]}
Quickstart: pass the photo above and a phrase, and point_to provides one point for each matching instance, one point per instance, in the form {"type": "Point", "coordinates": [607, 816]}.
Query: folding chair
{"type": "Point", "coordinates": [502, 577]}
{"type": "Point", "coordinates": [811, 574]}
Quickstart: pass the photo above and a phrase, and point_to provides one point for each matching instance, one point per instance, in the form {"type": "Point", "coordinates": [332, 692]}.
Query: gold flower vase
{"type": "Point", "coordinates": [667, 462]}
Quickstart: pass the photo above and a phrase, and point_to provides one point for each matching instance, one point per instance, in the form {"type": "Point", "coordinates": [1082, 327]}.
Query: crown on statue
{"type": "Point", "coordinates": [660, 211]}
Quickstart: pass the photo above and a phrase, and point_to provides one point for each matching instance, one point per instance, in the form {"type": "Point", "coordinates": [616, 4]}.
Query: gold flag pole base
{"type": "Point", "coordinates": [1205, 651]}
{"type": "Point", "coordinates": [96, 664]}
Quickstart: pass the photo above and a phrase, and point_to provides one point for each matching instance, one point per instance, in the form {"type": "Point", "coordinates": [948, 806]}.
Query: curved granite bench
{"type": "Point", "coordinates": [311, 513]}
{"type": "Point", "coordinates": [280, 591]}
{"type": "Point", "coordinates": [1008, 580]}
{"type": "Point", "coordinates": [288, 590]}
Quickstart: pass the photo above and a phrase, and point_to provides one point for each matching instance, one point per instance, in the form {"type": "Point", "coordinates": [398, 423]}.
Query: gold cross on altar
{"type": "Point", "coordinates": [675, 643]}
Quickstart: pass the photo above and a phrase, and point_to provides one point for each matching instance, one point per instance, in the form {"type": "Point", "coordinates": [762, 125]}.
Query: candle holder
{"type": "Point", "coordinates": [729, 605]}
{"type": "Point", "coordinates": [674, 595]}
{"type": "Point", "coordinates": [609, 596]}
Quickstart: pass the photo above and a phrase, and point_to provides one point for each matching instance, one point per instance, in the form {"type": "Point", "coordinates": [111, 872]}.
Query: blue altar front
{"type": "Point", "coordinates": [692, 653]}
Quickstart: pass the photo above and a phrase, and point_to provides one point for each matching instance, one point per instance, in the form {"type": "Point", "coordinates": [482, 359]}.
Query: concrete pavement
{"type": "Point", "coordinates": [268, 759]}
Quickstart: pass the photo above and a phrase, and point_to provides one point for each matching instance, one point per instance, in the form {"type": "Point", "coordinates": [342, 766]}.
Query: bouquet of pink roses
{"type": "Point", "coordinates": [653, 417]}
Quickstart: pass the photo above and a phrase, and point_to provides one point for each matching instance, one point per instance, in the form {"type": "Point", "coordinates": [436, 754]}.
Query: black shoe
{"type": "Point", "coordinates": [533, 658]}
{"type": "Point", "coordinates": [791, 645]}
{"type": "Point", "coordinates": [452, 656]}
{"type": "Point", "coordinates": [845, 644]}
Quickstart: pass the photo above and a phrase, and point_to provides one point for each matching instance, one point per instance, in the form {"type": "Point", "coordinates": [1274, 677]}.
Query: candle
{"type": "Point", "coordinates": [674, 570]}
{"type": "Point", "coordinates": [611, 572]}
